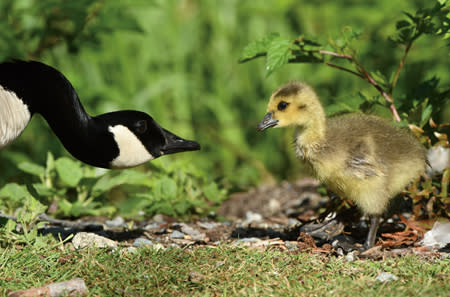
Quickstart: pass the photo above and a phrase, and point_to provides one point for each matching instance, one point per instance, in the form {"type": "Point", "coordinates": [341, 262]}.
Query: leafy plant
{"type": "Point", "coordinates": [416, 108]}
{"type": "Point", "coordinates": [45, 24]}
{"type": "Point", "coordinates": [72, 189]}
{"type": "Point", "coordinates": [27, 217]}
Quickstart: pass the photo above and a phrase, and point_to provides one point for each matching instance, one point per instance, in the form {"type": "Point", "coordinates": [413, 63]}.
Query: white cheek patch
{"type": "Point", "coordinates": [14, 117]}
{"type": "Point", "coordinates": [131, 151]}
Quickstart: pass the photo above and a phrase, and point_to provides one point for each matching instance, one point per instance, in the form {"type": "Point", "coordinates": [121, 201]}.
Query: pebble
{"type": "Point", "coordinates": [247, 240]}
{"type": "Point", "coordinates": [193, 233]}
{"type": "Point", "coordinates": [293, 223]}
{"type": "Point", "coordinates": [252, 217]}
{"type": "Point", "coordinates": [92, 240]}
{"type": "Point", "coordinates": [142, 242]}
{"type": "Point", "coordinates": [274, 206]}
{"type": "Point", "coordinates": [116, 222]}
{"type": "Point", "coordinates": [386, 277]}
{"type": "Point", "coordinates": [291, 245]}
{"type": "Point", "coordinates": [177, 235]}
{"type": "Point", "coordinates": [158, 218]}
{"type": "Point", "coordinates": [154, 226]}
{"type": "Point", "coordinates": [158, 247]}
{"type": "Point", "coordinates": [129, 250]}
{"type": "Point", "coordinates": [208, 225]}
{"type": "Point", "coordinates": [350, 257]}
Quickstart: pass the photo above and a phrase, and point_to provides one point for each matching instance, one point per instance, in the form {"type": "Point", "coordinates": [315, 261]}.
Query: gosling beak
{"type": "Point", "coordinates": [175, 144]}
{"type": "Point", "coordinates": [267, 122]}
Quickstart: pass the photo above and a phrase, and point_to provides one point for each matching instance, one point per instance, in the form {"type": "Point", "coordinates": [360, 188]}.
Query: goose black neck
{"type": "Point", "coordinates": [47, 92]}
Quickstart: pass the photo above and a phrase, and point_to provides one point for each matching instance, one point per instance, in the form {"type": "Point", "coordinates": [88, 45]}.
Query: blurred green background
{"type": "Point", "coordinates": [178, 61]}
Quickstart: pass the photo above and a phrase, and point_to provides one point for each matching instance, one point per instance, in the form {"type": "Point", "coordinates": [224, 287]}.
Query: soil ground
{"type": "Point", "coordinates": [280, 216]}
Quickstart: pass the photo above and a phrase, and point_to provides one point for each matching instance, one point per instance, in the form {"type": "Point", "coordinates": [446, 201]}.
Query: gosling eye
{"type": "Point", "coordinates": [141, 126]}
{"type": "Point", "coordinates": [282, 105]}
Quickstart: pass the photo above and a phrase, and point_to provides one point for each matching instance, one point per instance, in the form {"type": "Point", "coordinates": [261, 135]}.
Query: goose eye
{"type": "Point", "coordinates": [141, 126]}
{"type": "Point", "coordinates": [282, 105]}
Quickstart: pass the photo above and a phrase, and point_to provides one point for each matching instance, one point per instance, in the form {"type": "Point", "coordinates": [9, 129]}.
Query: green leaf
{"type": "Point", "coordinates": [426, 114]}
{"type": "Point", "coordinates": [50, 164]}
{"type": "Point", "coordinates": [165, 188]}
{"type": "Point", "coordinates": [211, 191]}
{"type": "Point", "coordinates": [32, 168]}
{"type": "Point", "coordinates": [13, 191]}
{"type": "Point", "coordinates": [44, 191]}
{"type": "Point", "coordinates": [132, 177]}
{"type": "Point", "coordinates": [278, 54]}
{"type": "Point", "coordinates": [379, 78]}
{"type": "Point", "coordinates": [10, 226]}
{"type": "Point", "coordinates": [131, 206]}
{"type": "Point", "coordinates": [257, 48]}
{"type": "Point", "coordinates": [65, 206]}
{"type": "Point", "coordinates": [69, 171]}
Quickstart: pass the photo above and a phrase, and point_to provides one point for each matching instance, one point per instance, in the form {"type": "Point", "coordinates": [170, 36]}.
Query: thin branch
{"type": "Point", "coordinates": [395, 112]}
{"type": "Point", "coordinates": [45, 218]}
{"type": "Point", "coordinates": [5, 216]}
{"type": "Point", "coordinates": [70, 224]}
{"type": "Point", "coordinates": [324, 52]}
{"type": "Point", "coordinates": [345, 69]}
{"type": "Point", "coordinates": [362, 73]}
{"type": "Point", "coordinates": [383, 93]}
{"type": "Point", "coordinates": [400, 67]}
{"type": "Point", "coordinates": [378, 87]}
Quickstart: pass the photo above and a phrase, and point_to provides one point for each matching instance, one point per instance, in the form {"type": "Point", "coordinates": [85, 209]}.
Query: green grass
{"type": "Point", "coordinates": [221, 271]}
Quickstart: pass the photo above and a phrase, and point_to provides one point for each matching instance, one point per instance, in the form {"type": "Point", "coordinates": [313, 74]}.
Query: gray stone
{"type": "Point", "coordinates": [208, 225]}
{"type": "Point", "coordinates": [177, 235]}
{"type": "Point", "coordinates": [386, 277]}
{"type": "Point", "coordinates": [193, 233]}
{"type": "Point", "coordinates": [292, 246]}
{"type": "Point", "coordinates": [252, 217]}
{"type": "Point", "coordinates": [158, 247]}
{"type": "Point", "coordinates": [116, 222]}
{"type": "Point", "coordinates": [158, 218]}
{"type": "Point", "coordinates": [350, 257]}
{"type": "Point", "coordinates": [293, 223]}
{"type": "Point", "coordinates": [247, 240]}
{"type": "Point", "coordinates": [142, 242]}
{"type": "Point", "coordinates": [154, 226]}
{"type": "Point", "coordinates": [91, 240]}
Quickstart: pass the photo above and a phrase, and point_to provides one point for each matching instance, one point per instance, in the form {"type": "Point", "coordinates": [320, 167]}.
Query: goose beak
{"type": "Point", "coordinates": [175, 144]}
{"type": "Point", "coordinates": [267, 122]}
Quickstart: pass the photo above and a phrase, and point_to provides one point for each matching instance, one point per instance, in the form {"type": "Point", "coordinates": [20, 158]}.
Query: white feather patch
{"type": "Point", "coordinates": [14, 117]}
{"type": "Point", "coordinates": [131, 150]}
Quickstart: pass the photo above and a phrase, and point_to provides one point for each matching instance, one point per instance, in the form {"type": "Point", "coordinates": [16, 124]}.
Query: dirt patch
{"type": "Point", "coordinates": [278, 216]}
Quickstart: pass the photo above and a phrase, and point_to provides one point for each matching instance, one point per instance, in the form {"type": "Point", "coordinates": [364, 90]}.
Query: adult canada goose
{"type": "Point", "coordinates": [360, 157]}
{"type": "Point", "coordinates": [118, 139]}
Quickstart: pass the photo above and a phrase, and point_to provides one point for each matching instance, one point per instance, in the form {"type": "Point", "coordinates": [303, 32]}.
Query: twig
{"type": "Point", "coordinates": [45, 218]}
{"type": "Point", "coordinates": [74, 287]}
{"type": "Point", "coordinates": [64, 223]}
{"type": "Point", "coordinates": [400, 67]}
{"type": "Point", "coordinates": [324, 52]}
{"type": "Point", "coordinates": [5, 216]}
{"type": "Point", "coordinates": [362, 73]}
{"type": "Point", "coordinates": [344, 69]}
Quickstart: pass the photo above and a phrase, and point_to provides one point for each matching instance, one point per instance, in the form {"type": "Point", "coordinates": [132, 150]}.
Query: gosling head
{"type": "Point", "coordinates": [294, 104]}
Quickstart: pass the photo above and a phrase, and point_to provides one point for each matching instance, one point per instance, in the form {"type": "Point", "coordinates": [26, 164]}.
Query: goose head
{"type": "Point", "coordinates": [294, 104]}
{"type": "Point", "coordinates": [139, 138]}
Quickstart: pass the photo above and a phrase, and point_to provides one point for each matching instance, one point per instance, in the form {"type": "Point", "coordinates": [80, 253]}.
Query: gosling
{"type": "Point", "coordinates": [359, 157]}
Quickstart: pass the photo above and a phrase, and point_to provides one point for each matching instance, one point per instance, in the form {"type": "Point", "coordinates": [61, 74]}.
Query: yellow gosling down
{"type": "Point", "coordinates": [359, 157]}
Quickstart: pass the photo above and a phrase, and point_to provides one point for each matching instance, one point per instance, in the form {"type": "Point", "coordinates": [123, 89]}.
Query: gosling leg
{"type": "Point", "coordinates": [371, 236]}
